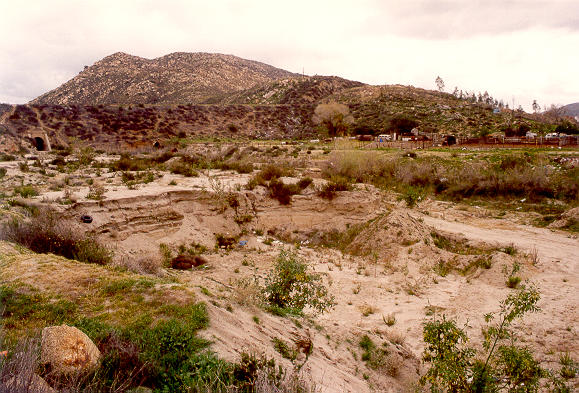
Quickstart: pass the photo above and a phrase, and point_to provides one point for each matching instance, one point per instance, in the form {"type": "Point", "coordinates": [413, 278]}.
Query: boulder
{"type": "Point", "coordinates": [68, 350]}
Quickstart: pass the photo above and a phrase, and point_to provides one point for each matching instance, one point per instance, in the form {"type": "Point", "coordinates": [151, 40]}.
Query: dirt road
{"type": "Point", "coordinates": [550, 245]}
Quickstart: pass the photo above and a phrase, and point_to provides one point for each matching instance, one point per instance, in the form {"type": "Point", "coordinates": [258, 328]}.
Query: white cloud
{"type": "Point", "coordinates": [526, 49]}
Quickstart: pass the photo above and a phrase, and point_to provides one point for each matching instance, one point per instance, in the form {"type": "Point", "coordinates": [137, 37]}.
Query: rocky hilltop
{"type": "Point", "coordinates": [177, 78]}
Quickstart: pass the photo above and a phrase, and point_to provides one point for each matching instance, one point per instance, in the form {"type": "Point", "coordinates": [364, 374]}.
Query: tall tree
{"type": "Point", "coordinates": [439, 83]}
{"type": "Point", "coordinates": [334, 117]}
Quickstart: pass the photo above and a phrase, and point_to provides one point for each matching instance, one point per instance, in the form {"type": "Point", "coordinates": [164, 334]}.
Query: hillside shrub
{"type": "Point", "coordinates": [329, 190]}
{"type": "Point", "coordinates": [43, 232]}
{"type": "Point", "coordinates": [281, 191]}
{"type": "Point", "coordinates": [183, 168]}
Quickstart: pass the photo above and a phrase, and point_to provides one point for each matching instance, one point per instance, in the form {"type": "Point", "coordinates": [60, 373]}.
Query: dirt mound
{"type": "Point", "coordinates": [395, 228]}
{"type": "Point", "coordinates": [569, 218]}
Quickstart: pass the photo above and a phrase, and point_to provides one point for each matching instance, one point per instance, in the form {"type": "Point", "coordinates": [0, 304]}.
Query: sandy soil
{"type": "Point", "coordinates": [387, 269]}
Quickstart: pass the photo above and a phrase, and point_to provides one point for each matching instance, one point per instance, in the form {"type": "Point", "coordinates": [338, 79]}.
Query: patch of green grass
{"type": "Point", "coordinates": [205, 291]}
{"type": "Point", "coordinates": [442, 268]}
{"type": "Point", "coordinates": [24, 310]}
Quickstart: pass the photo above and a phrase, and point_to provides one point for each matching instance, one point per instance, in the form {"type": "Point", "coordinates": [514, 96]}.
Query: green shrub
{"type": "Point", "coordinates": [128, 163]}
{"type": "Point", "coordinates": [23, 166]}
{"type": "Point", "coordinates": [512, 280]}
{"type": "Point", "coordinates": [412, 196]}
{"type": "Point", "coordinates": [2, 172]}
{"type": "Point", "coordinates": [26, 191]}
{"type": "Point", "coordinates": [510, 250]}
{"type": "Point", "coordinates": [166, 255]}
{"type": "Point", "coordinates": [289, 285]}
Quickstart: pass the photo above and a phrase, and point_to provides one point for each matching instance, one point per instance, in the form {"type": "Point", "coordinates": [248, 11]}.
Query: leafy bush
{"type": "Point", "coordinates": [2, 172]}
{"type": "Point", "coordinates": [289, 285]}
{"type": "Point", "coordinates": [503, 367]}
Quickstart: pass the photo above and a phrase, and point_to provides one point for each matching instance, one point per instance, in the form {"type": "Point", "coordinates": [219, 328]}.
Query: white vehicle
{"type": "Point", "coordinates": [552, 135]}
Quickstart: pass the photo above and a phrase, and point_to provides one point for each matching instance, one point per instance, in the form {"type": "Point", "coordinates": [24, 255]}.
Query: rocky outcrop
{"type": "Point", "coordinates": [68, 351]}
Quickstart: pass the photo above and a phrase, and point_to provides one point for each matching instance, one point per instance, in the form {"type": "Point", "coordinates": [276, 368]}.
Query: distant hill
{"type": "Point", "coordinates": [124, 101]}
{"type": "Point", "coordinates": [572, 109]}
{"type": "Point", "coordinates": [177, 78]}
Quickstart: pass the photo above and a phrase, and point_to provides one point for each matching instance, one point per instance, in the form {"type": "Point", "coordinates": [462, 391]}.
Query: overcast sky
{"type": "Point", "coordinates": [514, 49]}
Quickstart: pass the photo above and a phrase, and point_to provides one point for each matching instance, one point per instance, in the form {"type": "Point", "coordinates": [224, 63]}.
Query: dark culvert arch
{"type": "Point", "coordinates": [39, 143]}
